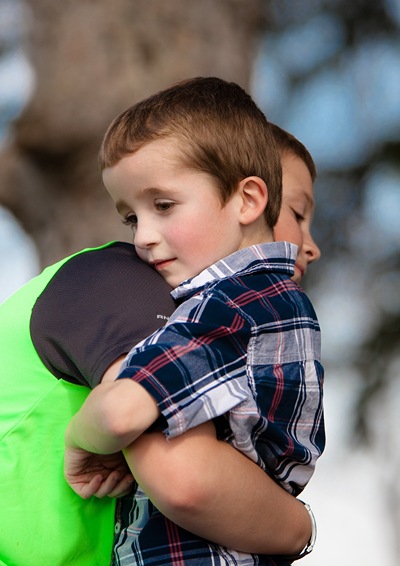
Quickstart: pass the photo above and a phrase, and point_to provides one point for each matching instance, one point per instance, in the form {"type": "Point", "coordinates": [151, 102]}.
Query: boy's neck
{"type": "Point", "coordinates": [256, 235]}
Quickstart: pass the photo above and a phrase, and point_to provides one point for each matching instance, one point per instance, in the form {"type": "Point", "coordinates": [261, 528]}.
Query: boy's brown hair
{"type": "Point", "coordinates": [218, 128]}
{"type": "Point", "coordinates": [288, 143]}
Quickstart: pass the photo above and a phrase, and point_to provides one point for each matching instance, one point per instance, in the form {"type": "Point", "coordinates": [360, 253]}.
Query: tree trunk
{"type": "Point", "coordinates": [92, 59]}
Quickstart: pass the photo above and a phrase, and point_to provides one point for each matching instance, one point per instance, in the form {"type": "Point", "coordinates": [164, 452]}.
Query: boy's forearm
{"type": "Point", "coordinates": [210, 489]}
{"type": "Point", "coordinates": [112, 417]}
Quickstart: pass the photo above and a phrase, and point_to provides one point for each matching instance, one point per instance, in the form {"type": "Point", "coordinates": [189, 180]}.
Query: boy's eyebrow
{"type": "Point", "coordinates": [160, 191]}
{"type": "Point", "coordinates": [156, 190]}
{"type": "Point", "coordinates": [302, 193]}
{"type": "Point", "coordinates": [309, 199]}
{"type": "Point", "coordinates": [120, 205]}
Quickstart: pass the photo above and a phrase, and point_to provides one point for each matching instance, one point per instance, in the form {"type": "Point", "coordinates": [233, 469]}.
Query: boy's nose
{"type": "Point", "coordinates": [312, 250]}
{"type": "Point", "coordinates": [145, 236]}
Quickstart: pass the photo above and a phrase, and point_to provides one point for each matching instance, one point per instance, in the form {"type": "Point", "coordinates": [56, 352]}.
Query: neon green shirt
{"type": "Point", "coordinates": [42, 521]}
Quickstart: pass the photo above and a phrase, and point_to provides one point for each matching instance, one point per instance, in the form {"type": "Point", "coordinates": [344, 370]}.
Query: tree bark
{"type": "Point", "coordinates": [92, 59]}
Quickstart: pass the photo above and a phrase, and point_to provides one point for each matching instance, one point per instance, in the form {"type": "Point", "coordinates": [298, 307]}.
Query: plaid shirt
{"type": "Point", "coordinates": [243, 348]}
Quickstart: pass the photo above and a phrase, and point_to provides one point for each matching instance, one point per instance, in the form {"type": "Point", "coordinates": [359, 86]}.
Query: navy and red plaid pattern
{"type": "Point", "coordinates": [243, 346]}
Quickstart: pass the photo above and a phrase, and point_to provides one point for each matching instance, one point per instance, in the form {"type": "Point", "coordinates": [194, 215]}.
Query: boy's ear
{"type": "Point", "coordinates": [254, 197]}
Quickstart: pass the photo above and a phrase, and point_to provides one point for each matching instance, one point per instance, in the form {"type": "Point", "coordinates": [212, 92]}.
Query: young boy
{"type": "Point", "coordinates": [294, 223]}
{"type": "Point", "coordinates": [189, 169]}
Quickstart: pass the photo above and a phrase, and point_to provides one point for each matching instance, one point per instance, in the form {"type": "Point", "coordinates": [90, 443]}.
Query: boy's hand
{"type": "Point", "coordinates": [97, 474]}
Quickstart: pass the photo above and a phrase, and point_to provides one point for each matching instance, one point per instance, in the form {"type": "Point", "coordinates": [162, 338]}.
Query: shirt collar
{"type": "Point", "coordinates": [272, 256]}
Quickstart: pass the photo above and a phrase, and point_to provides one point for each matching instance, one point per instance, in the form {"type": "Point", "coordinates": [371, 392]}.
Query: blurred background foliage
{"type": "Point", "coordinates": [326, 70]}
{"type": "Point", "coordinates": [337, 67]}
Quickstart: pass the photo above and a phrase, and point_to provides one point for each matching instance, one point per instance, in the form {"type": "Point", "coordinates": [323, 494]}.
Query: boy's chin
{"type": "Point", "coordinates": [297, 278]}
{"type": "Point", "coordinates": [298, 274]}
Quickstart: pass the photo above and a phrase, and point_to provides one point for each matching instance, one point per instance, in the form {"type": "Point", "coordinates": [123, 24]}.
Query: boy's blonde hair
{"type": "Point", "coordinates": [218, 129]}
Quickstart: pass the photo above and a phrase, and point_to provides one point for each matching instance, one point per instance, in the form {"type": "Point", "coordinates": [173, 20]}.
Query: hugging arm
{"type": "Point", "coordinates": [209, 488]}
{"type": "Point", "coordinates": [197, 481]}
{"type": "Point", "coordinates": [114, 414]}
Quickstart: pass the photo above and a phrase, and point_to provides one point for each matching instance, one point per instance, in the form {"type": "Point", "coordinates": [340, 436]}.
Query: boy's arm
{"type": "Point", "coordinates": [112, 417]}
{"type": "Point", "coordinates": [209, 488]}
{"type": "Point", "coordinates": [202, 484]}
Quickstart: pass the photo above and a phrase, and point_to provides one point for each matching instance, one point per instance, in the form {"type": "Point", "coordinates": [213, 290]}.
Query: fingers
{"type": "Point", "coordinates": [124, 487]}
{"type": "Point", "coordinates": [115, 485]}
{"type": "Point", "coordinates": [97, 475]}
{"type": "Point", "coordinates": [112, 486]}
{"type": "Point", "coordinates": [86, 489]}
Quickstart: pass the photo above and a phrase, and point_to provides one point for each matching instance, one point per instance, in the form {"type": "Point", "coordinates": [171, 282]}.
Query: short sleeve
{"type": "Point", "coordinates": [98, 305]}
{"type": "Point", "coordinates": [193, 367]}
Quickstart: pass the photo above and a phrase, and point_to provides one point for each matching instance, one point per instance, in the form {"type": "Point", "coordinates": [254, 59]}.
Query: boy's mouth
{"type": "Point", "coordinates": [160, 264]}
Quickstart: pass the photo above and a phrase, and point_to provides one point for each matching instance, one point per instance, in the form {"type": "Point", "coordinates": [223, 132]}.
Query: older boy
{"type": "Point", "coordinates": [189, 169]}
{"type": "Point", "coordinates": [61, 334]}
{"type": "Point", "coordinates": [295, 217]}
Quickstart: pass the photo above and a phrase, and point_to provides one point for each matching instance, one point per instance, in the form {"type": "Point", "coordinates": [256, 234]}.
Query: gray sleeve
{"type": "Point", "coordinates": [98, 305]}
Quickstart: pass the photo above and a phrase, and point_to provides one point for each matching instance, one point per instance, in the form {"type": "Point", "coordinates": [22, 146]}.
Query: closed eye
{"type": "Point", "coordinates": [299, 217]}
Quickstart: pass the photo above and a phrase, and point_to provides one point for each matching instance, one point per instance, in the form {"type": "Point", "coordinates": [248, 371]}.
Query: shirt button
{"type": "Point", "coordinates": [117, 528]}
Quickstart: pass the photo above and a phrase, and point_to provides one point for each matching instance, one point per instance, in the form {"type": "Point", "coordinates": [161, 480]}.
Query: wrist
{"type": "Point", "coordinates": [69, 437]}
{"type": "Point", "coordinates": [309, 547]}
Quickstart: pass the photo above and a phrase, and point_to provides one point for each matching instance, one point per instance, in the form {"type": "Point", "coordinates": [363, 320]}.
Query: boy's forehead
{"type": "Point", "coordinates": [167, 146]}
{"type": "Point", "coordinates": [158, 150]}
{"type": "Point", "coordinates": [295, 167]}
{"type": "Point", "coordinates": [298, 191]}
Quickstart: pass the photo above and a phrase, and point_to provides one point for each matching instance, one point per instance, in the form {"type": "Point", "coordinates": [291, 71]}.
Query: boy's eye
{"type": "Point", "coordinates": [130, 220]}
{"type": "Point", "coordinates": [164, 205]}
{"type": "Point", "coordinates": [299, 217]}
